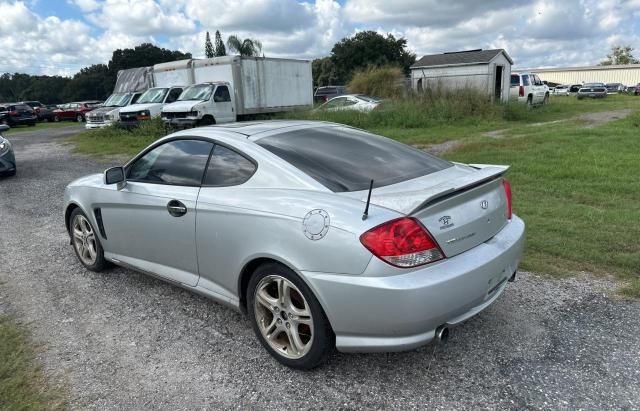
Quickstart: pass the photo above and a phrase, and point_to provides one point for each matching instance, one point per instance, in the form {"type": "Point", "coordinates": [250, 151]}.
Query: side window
{"type": "Point", "coordinates": [222, 94]}
{"type": "Point", "coordinates": [515, 80]}
{"type": "Point", "coordinates": [135, 98]}
{"type": "Point", "coordinates": [525, 80]}
{"type": "Point", "coordinates": [180, 162]}
{"type": "Point", "coordinates": [228, 168]}
{"type": "Point", "coordinates": [336, 102]}
{"type": "Point", "coordinates": [350, 102]}
{"type": "Point", "coordinates": [173, 95]}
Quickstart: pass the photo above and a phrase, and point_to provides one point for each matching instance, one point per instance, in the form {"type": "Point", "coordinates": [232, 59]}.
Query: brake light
{"type": "Point", "coordinates": [403, 242]}
{"type": "Point", "coordinates": [521, 91]}
{"type": "Point", "coordinates": [507, 192]}
{"type": "Point", "coordinates": [13, 113]}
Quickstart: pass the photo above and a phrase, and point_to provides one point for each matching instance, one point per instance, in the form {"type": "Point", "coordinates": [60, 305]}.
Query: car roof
{"type": "Point", "coordinates": [253, 130]}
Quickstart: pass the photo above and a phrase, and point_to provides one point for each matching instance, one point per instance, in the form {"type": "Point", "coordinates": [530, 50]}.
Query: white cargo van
{"type": "Point", "coordinates": [232, 87]}
{"type": "Point", "coordinates": [149, 105]}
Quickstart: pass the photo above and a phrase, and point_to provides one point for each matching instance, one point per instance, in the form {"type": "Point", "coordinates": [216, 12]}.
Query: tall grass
{"type": "Point", "coordinates": [379, 82]}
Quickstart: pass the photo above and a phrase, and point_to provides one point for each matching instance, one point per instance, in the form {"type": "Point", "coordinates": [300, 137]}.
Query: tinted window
{"type": "Point", "coordinates": [525, 81]}
{"type": "Point", "coordinates": [180, 162]}
{"type": "Point", "coordinates": [345, 159]}
{"type": "Point", "coordinates": [135, 98]}
{"type": "Point", "coordinates": [228, 168]}
{"type": "Point", "coordinates": [515, 80]}
{"type": "Point", "coordinates": [221, 95]}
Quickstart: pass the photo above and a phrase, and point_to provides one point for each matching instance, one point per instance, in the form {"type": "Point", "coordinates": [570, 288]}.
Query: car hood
{"type": "Point", "coordinates": [181, 106]}
{"type": "Point", "coordinates": [92, 180]}
{"type": "Point", "coordinates": [139, 107]}
{"type": "Point", "coordinates": [103, 110]}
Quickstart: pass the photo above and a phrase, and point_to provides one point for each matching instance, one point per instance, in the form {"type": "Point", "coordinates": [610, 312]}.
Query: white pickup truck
{"type": "Point", "coordinates": [528, 88]}
{"type": "Point", "coordinates": [230, 88]}
{"type": "Point", "coordinates": [149, 105]}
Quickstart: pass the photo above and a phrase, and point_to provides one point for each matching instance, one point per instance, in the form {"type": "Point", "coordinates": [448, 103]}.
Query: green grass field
{"type": "Point", "coordinates": [22, 384]}
{"type": "Point", "coordinates": [577, 188]}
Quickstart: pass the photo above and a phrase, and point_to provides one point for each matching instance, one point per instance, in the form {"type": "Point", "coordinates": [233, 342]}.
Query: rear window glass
{"type": "Point", "coordinates": [525, 81]}
{"type": "Point", "coordinates": [515, 80]}
{"type": "Point", "coordinates": [345, 159]}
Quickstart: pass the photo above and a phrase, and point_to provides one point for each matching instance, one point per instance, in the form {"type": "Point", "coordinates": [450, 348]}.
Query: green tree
{"type": "Point", "coordinates": [324, 72]}
{"type": "Point", "coordinates": [220, 50]}
{"type": "Point", "coordinates": [369, 49]}
{"type": "Point", "coordinates": [620, 55]}
{"type": "Point", "coordinates": [246, 47]}
{"type": "Point", "coordinates": [208, 47]}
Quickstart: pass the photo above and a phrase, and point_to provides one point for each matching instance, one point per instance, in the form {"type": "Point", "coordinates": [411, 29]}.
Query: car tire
{"type": "Point", "coordinates": [313, 339]}
{"type": "Point", "coordinates": [79, 118]}
{"type": "Point", "coordinates": [86, 241]}
{"type": "Point", "coordinates": [56, 119]}
{"type": "Point", "coordinates": [545, 101]}
{"type": "Point", "coordinates": [207, 121]}
{"type": "Point", "coordinates": [530, 101]}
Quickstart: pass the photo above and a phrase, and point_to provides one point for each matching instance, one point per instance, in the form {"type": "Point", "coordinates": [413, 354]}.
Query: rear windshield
{"type": "Point", "coordinates": [515, 80]}
{"type": "Point", "coordinates": [345, 159]}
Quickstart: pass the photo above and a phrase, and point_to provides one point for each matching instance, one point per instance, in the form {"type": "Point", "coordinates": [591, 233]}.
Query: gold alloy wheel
{"type": "Point", "coordinates": [283, 316]}
{"type": "Point", "coordinates": [84, 240]}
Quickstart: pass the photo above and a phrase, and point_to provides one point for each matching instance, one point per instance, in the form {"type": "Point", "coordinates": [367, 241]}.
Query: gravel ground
{"type": "Point", "coordinates": [121, 340]}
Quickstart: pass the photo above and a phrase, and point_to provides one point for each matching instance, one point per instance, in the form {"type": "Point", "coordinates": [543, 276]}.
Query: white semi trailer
{"type": "Point", "coordinates": [231, 88]}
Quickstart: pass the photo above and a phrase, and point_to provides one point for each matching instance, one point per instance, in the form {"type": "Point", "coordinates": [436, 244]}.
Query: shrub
{"type": "Point", "coordinates": [378, 81]}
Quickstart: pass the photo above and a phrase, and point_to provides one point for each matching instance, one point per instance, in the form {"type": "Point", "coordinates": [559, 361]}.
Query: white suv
{"type": "Point", "coordinates": [527, 87]}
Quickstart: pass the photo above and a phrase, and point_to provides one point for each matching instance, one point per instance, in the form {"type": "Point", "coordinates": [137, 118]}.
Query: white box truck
{"type": "Point", "coordinates": [232, 88]}
{"type": "Point", "coordinates": [170, 79]}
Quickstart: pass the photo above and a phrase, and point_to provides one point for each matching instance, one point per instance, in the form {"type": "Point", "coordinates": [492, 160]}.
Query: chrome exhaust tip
{"type": "Point", "coordinates": [442, 334]}
{"type": "Point", "coordinates": [513, 277]}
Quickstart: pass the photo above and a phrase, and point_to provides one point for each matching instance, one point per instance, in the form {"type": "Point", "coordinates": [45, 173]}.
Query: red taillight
{"type": "Point", "coordinates": [13, 113]}
{"type": "Point", "coordinates": [507, 192]}
{"type": "Point", "coordinates": [402, 243]}
{"type": "Point", "coordinates": [521, 91]}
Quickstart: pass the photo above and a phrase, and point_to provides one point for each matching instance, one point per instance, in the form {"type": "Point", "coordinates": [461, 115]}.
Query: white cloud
{"type": "Point", "coordinates": [139, 18]}
{"type": "Point", "coordinates": [86, 6]}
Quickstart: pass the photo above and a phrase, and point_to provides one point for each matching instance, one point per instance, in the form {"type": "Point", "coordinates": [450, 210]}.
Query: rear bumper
{"type": "Point", "coordinates": [401, 312]}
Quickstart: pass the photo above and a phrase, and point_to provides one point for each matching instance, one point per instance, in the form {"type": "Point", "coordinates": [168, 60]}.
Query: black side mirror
{"type": "Point", "coordinates": [114, 175]}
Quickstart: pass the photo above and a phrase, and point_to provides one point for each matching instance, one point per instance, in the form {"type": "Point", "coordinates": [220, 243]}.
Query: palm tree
{"type": "Point", "coordinates": [246, 47]}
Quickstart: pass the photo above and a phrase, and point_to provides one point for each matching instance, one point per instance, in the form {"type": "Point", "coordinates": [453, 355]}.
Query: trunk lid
{"type": "Point", "coordinates": [461, 206]}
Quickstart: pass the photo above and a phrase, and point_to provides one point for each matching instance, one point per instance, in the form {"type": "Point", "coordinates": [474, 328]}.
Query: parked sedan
{"type": "Point", "coordinates": [356, 102]}
{"type": "Point", "coordinates": [7, 158]}
{"type": "Point", "coordinates": [74, 111]}
{"type": "Point", "coordinates": [592, 90]}
{"type": "Point", "coordinates": [15, 114]}
{"type": "Point", "coordinates": [614, 88]}
{"type": "Point", "coordinates": [43, 112]}
{"type": "Point", "coordinates": [325, 235]}
{"type": "Point", "coordinates": [561, 90]}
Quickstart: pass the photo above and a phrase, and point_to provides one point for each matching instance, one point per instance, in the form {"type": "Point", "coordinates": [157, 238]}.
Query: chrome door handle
{"type": "Point", "coordinates": [176, 208]}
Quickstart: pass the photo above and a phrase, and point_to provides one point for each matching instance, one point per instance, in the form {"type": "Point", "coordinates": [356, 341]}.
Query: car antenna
{"type": "Point", "coordinates": [366, 208]}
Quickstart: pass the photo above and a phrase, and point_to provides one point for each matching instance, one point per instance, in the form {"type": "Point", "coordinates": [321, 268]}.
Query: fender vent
{"type": "Point", "coordinates": [98, 214]}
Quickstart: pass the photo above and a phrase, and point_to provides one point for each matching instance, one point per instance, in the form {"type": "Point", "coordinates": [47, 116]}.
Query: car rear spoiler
{"type": "Point", "coordinates": [410, 202]}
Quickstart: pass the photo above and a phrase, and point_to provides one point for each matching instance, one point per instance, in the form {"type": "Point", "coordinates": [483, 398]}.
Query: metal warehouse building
{"type": "Point", "coordinates": [628, 74]}
{"type": "Point", "coordinates": [487, 70]}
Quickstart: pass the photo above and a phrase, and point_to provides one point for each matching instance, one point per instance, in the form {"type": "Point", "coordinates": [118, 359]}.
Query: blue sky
{"type": "Point", "coordinates": [61, 36]}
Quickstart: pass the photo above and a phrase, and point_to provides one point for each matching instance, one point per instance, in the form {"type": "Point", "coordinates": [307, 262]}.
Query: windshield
{"type": "Point", "coordinates": [117, 100]}
{"type": "Point", "coordinates": [153, 95]}
{"type": "Point", "coordinates": [345, 159]}
{"type": "Point", "coordinates": [197, 92]}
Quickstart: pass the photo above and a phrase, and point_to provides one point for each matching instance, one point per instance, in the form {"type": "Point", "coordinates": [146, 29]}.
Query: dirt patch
{"type": "Point", "coordinates": [437, 149]}
{"type": "Point", "coordinates": [495, 133]}
{"type": "Point", "coordinates": [603, 117]}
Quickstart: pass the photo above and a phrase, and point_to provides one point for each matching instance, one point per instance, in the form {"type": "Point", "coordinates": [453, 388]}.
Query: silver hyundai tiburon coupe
{"type": "Point", "coordinates": [325, 235]}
